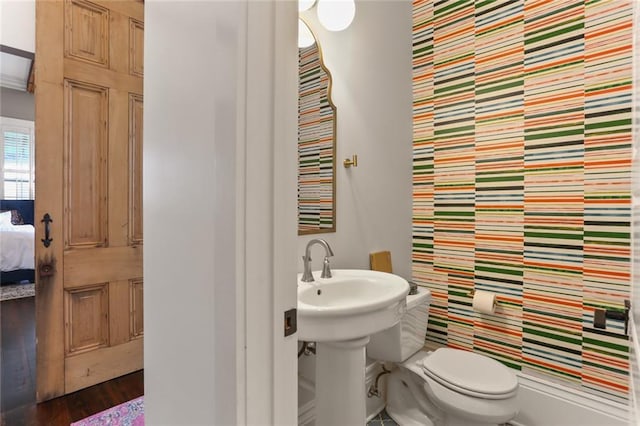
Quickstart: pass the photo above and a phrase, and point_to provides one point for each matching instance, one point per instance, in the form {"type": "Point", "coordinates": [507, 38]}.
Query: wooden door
{"type": "Point", "coordinates": [88, 95]}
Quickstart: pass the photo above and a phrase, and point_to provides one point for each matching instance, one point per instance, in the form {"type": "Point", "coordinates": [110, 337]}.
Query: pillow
{"type": "Point", "coordinates": [5, 219]}
{"type": "Point", "coordinates": [16, 217]}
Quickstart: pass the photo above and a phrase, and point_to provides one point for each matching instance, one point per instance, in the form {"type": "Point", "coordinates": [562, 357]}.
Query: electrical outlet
{"type": "Point", "coordinates": [290, 322]}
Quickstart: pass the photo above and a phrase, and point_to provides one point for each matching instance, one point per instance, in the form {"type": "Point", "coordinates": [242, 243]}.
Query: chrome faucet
{"type": "Point", "coordinates": [307, 276]}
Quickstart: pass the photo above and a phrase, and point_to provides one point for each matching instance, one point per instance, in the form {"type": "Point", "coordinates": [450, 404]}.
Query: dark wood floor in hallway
{"type": "Point", "coordinates": [18, 375]}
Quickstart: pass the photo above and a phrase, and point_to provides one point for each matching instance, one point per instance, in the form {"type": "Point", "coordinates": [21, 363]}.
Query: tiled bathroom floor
{"type": "Point", "coordinates": [382, 419]}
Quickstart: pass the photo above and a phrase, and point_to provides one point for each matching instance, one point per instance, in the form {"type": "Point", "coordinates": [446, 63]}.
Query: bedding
{"type": "Point", "coordinates": [5, 219]}
{"type": "Point", "coordinates": [17, 243]}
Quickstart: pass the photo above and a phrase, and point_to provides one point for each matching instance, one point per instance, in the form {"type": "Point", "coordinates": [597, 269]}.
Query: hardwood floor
{"type": "Point", "coordinates": [17, 377]}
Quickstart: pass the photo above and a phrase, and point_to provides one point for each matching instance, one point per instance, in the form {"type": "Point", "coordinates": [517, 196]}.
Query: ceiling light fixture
{"type": "Point", "coordinates": [336, 15]}
{"type": "Point", "coordinates": [305, 5]}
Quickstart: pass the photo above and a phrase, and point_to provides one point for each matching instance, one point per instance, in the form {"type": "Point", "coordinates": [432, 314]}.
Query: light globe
{"type": "Point", "coordinates": [336, 15]}
{"type": "Point", "coordinates": [305, 37]}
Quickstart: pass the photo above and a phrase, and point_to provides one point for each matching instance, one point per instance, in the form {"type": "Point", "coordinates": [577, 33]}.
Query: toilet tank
{"type": "Point", "coordinates": [404, 339]}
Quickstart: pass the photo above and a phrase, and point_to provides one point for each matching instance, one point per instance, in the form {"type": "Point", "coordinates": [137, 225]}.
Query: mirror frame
{"type": "Point", "coordinates": [333, 146]}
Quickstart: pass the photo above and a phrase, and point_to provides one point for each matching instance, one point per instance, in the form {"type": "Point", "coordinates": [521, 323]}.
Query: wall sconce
{"type": "Point", "coordinates": [334, 15]}
{"type": "Point", "coordinates": [305, 5]}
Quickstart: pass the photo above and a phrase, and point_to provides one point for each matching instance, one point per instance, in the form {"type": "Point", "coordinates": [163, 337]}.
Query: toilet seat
{"type": "Point", "coordinates": [470, 374]}
{"type": "Point", "coordinates": [474, 410]}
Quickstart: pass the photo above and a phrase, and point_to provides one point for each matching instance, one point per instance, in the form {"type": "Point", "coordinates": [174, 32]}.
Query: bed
{"type": "Point", "coordinates": [17, 235]}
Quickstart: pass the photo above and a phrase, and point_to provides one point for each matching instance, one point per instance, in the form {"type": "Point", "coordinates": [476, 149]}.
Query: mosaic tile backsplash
{"type": "Point", "coordinates": [522, 181]}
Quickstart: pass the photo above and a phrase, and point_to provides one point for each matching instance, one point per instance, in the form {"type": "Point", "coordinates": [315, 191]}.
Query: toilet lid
{"type": "Point", "coordinates": [470, 373]}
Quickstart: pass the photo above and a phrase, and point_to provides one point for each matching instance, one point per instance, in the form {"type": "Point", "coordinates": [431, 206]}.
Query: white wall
{"type": "Point", "coordinates": [17, 104]}
{"type": "Point", "coordinates": [17, 30]}
{"type": "Point", "coordinates": [219, 212]}
{"type": "Point", "coordinates": [180, 175]}
{"type": "Point", "coordinates": [18, 24]}
{"type": "Point", "coordinates": [370, 63]}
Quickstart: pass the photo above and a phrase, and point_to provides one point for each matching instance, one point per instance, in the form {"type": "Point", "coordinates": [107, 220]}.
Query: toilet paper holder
{"type": "Point", "coordinates": [472, 292]}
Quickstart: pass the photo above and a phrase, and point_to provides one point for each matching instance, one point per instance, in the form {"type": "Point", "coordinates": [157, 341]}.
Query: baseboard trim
{"type": "Point", "coordinates": [306, 402]}
{"type": "Point", "coordinates": [544, 402]}
{"type": "Point", "coordinates": [575, 397]}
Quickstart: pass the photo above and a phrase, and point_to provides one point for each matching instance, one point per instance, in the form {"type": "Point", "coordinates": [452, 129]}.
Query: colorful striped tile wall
{"type": "Point", "coordinates": [316, 144]}
{"type": "Point", "coordinates": [522, 181]}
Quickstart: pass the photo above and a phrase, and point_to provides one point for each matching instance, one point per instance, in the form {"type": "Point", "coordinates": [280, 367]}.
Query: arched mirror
{"type": "Point", "coordinates": [316, 140]}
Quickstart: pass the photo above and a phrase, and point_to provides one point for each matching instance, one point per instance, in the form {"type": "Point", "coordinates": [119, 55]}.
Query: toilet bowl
{"type": "Point", "coordinates": [446, 387]}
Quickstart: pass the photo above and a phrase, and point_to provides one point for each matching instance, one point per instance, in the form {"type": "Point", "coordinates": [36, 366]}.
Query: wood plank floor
{"type": "Point", "coordinates": [17, 377]}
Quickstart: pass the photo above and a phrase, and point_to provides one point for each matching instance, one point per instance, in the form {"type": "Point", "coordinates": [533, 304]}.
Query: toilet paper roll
{"type": "Point", "coordinates": [484, 301]}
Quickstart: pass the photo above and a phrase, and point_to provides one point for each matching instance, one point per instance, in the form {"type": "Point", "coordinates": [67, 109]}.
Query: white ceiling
{"type": "Point", "coordinates": [14, 71]}
{"type": "Point", "coordinates": [17, 40]}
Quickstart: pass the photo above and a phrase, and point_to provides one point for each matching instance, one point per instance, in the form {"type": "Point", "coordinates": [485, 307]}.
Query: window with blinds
{"type": "Point", "coordinates": [18, 163]}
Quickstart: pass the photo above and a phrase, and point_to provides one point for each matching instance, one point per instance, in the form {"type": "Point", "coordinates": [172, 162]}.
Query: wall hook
{"type": "Point", "coordinates": [353, 161]}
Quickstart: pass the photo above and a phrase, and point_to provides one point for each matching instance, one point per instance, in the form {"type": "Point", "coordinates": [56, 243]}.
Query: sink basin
{"type": "Point", "coordinates": [339, 314]}
{"type": "Point", "coordinates": [352, 304]}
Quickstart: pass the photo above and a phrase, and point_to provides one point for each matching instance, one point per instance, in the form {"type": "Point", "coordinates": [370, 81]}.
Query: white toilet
{"type": "Point", "coordinates": [445, 387]}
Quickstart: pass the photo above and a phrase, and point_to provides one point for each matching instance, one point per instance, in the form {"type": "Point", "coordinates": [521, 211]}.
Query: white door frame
{"type": "Point", "coordinates": [271, 224]}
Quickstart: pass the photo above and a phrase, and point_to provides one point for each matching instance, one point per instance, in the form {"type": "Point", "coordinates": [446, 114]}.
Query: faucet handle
{"type": "Point", "coordinates": [326, 268]}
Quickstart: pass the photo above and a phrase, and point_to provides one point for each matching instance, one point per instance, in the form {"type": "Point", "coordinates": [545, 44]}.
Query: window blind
{"type": "Point", "coordinates": [18, 160]}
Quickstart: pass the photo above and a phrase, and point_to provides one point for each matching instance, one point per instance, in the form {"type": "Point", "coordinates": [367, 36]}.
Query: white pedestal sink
{"type": "Point", "coordinates": [339, 314]}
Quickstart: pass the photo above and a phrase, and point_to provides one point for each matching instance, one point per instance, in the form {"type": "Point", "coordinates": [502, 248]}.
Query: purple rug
{"type": "Point", "coordinates": [130, 413]}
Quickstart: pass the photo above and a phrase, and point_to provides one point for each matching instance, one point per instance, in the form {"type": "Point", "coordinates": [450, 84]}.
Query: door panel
{"type": "Point", "coordinates": [135, 169]}
{"type": "Point", "coordinates": [136, 32]}
{"type": "Point", "coordinates": [85, 164]}
{"type": "Point", "coordinates": [86, 314]}
{"type": "Point", "coordinates": [87, 32]}
{"type": "Point", "coordinates": [88, 157]}
{"type": "Point", "coordinates": [137, 317]}
{"type": "Point", "coordinates": [119, 321]}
